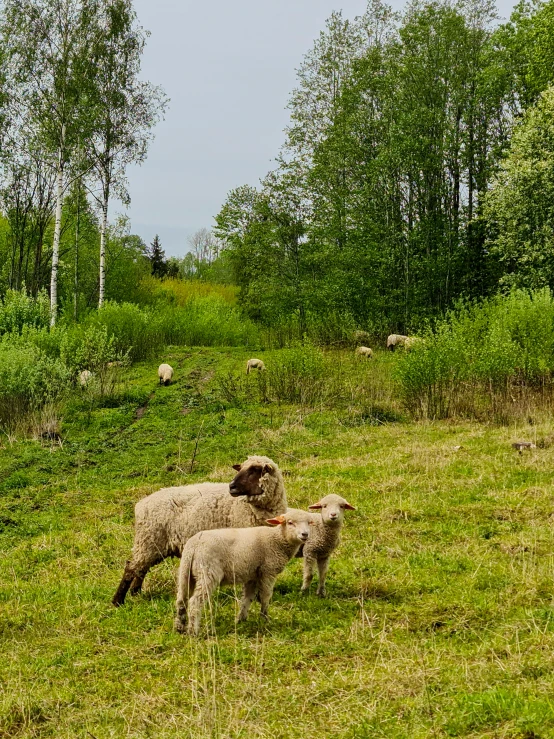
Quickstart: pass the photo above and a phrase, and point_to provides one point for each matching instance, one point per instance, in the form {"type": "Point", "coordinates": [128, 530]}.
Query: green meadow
{"type": "Point", "coordinates": [438, 620]}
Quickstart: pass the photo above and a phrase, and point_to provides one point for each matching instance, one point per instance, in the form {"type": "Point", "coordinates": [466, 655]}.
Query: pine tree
{"type": "Point", "coordinates": [157, 258]}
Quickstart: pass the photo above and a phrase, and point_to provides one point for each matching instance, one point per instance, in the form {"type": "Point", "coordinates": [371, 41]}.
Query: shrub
{"type": "Point", "coordinates": [18, 310]}
{"type": "Point", "coordinates": [29, 380]}
{"type": "Point", "coordinates": [478, 353]}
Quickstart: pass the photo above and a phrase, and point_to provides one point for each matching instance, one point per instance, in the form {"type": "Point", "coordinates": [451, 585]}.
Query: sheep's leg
{"type": "Point", "coordinates": [248, 595]}
{"type": "Point", "coordinates": [126, 580]}
{"type": "Point", "coordinates": [309, 566]}
{"type": "Point", "coordinates": [322, 566]}
{"type": "Point", "coordinates": [134, 572]}
{"type": "Point", "coordinates": [136, 585]}
{"type": "Point", "coordinates": [185, 590]}
{"type": "Point", "coordinates": [199, 599]}
{"type": "Point", "coordinates": [266, 591]}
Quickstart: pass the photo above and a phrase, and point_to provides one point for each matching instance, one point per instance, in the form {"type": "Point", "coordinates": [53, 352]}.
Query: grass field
{"type": "Point", "coordinates": [439, 617]}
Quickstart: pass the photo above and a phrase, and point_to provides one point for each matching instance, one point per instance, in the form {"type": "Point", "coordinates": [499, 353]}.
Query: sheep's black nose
{"type": "Point", "coordinates": [304, 535]}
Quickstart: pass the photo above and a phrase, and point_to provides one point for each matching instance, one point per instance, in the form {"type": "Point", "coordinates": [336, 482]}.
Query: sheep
{"type": "Point", "coordinates": [395, 340]}
{"type": "Point", "coordinates": [252, 556]}
{"type": "Point", "coordinates": [254, 364]}
{"type": "Point", "coordinates": [85, 377]}
{"type": "Point", "coordinates": [364, 351]}
{"type": "Point", "coordinates": [408, 342]}
{"type": "Point", "coordinates": [324, 539]}
{"type": "Point", "coordinates": [166, 519]}
{"type": "Point", "coordinates": [165, 373]}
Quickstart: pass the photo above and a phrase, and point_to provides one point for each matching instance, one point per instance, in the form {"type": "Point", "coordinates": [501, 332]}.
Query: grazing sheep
{"type": "Point", "coordinates": [85, 377]}
{"type": "Point", "coordinates": [324, 539]}
{"type": "Point", "coordinates": [253, 557]}
{"type": "Point", "coordinates": [165, 373]}
{"type": "Point", "coordinates": [364, 351]}
{"type": "Point", "coordinates": [395, 340]}
{"type": "Point", "coordinates": [254, 364]}
{"type": "Point", "coordinates": [166, 519]}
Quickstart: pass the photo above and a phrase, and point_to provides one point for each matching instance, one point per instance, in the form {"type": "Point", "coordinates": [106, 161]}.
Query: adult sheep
{"type": "Point", "coordinates": [254, 364]}
{"type": "Point", "coordinates": [165, 373]}
{"type": "Point", "coordinates": [395, 340]}
{"type": "Point", "coordinates": [166, 519]}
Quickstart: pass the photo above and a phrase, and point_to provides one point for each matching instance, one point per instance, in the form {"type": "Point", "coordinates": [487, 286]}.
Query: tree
{"type": "Point", "coordinates": [157, 258]}
{"type": "Point", "coordinates": [205, 245]}
{"type": "Point", "coordinates": [125, 108]}
{"type": "Point", "coordinates": [520, 204]}
{"type": "Point", "coordinates": [49, 44]}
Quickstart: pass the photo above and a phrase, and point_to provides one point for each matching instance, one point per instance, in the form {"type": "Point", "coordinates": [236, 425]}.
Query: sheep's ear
{"type": "Point", "coordinates": [315, 506]}
{"type": "Point", "coordinates": [276, 521]}
{"type": "Point", "coordinates": [237, 467]}
{"type": "Point", "coordinates": [348, 507]}
{"type": "Point", "coordinates": [267, 469]}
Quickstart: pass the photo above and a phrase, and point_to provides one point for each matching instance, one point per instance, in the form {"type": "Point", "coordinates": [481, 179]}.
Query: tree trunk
{"type": "Point", "coordinates": [56, 244]}
{"type": "Point", "coordinates": [76, 276]}
{"type": "Point", "coordinates": [103, 229]}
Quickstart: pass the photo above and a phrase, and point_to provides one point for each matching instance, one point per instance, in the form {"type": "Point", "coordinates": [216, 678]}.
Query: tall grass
{"type": "Point", "coordinates": [493, 357]}
{"type": "Point", "coordinates": [303, 374]}
{"type": "Point", "coordinates": [200, 321]}
{"type": "Point", "coordinates": [179, 292]}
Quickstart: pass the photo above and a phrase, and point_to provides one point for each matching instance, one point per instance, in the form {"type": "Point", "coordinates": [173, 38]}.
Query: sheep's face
{"type": "Point", "coordinates": [332, 508]}
{"type": "Point", "coordinates": [247, 479]}
{"type": "Point", "coordinates": [295, 525]}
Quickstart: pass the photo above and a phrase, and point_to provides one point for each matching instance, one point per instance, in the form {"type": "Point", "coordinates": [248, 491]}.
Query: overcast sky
{"type": "Point", "coordinates": [228, 67]}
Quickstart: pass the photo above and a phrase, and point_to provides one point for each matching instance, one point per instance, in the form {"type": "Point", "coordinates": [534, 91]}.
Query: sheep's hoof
{"type": "Point", "coordinates": [304, 591]}
{"type": "Point", "coordinates": [321, 594]}
{"type": "Point", "coordinates": [180, 626]}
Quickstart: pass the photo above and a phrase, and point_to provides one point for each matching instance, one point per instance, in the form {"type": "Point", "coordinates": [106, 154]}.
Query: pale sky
{"type": "Point", "coordinates": [228, 67]}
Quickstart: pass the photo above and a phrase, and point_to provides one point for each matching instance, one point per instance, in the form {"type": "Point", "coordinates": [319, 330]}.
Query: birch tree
{"type": "Point", "coordinates": [49, 50]}
{"type": "Point", "coordinates": [126, 109]}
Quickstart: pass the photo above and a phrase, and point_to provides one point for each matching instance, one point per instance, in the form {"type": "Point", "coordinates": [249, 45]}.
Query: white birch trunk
{"type": "Point", "coordinates": [56, 245]}
{"type": "Point", "coordinates": [103, 229]}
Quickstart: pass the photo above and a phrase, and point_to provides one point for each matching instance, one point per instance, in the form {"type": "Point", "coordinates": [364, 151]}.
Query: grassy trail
{"type": "Point", "coordinates": [438, 621]}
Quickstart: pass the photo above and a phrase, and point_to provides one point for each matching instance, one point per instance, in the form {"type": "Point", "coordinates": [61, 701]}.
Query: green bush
{"type": "Point", "coordinates": [482, 348]}
{"type": "Point", "coordinates": [201, 321]}
{"type": "Point", "coordinates": [18, 310]}
{"type": "Point", "coordinates": [29, 380]}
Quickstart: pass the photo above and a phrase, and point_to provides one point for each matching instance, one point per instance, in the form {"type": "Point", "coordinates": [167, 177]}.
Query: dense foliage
{"type": "Point", "coordinates": [377, 210]}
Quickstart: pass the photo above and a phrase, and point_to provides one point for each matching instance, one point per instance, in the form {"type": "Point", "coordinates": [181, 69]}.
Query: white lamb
{"type": "Point", "coordinates": [166, 519]}
{"type": "Point", "coordinates": [165, 373]}
{"type": "Point", "coordinates": [324, 539]}
{"type": "Point", "coordinates": [253, 557]}
{"type": "Point", "coordinates": [364, 351]}
{"type": "Point", "coordinates": [254, 364]}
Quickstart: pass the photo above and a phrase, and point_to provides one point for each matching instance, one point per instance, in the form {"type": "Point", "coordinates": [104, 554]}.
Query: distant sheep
{"type": "Point", "coordinates": [364, 351]}
{"type": "Point", "coordinates": [254, 364]}
{"type": "Point", "coordinates": [324, 538]}
{"type": "Point", "coordinates": [85, 377]}
{"type": "Point", "coordinates": [165, 373]}
{"type": "Point", "coordinates": [252, 556]}
{"type": "Point", "coordinates": [166, 519]}
{"type": "Point", "coordinates": [395, 340]}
